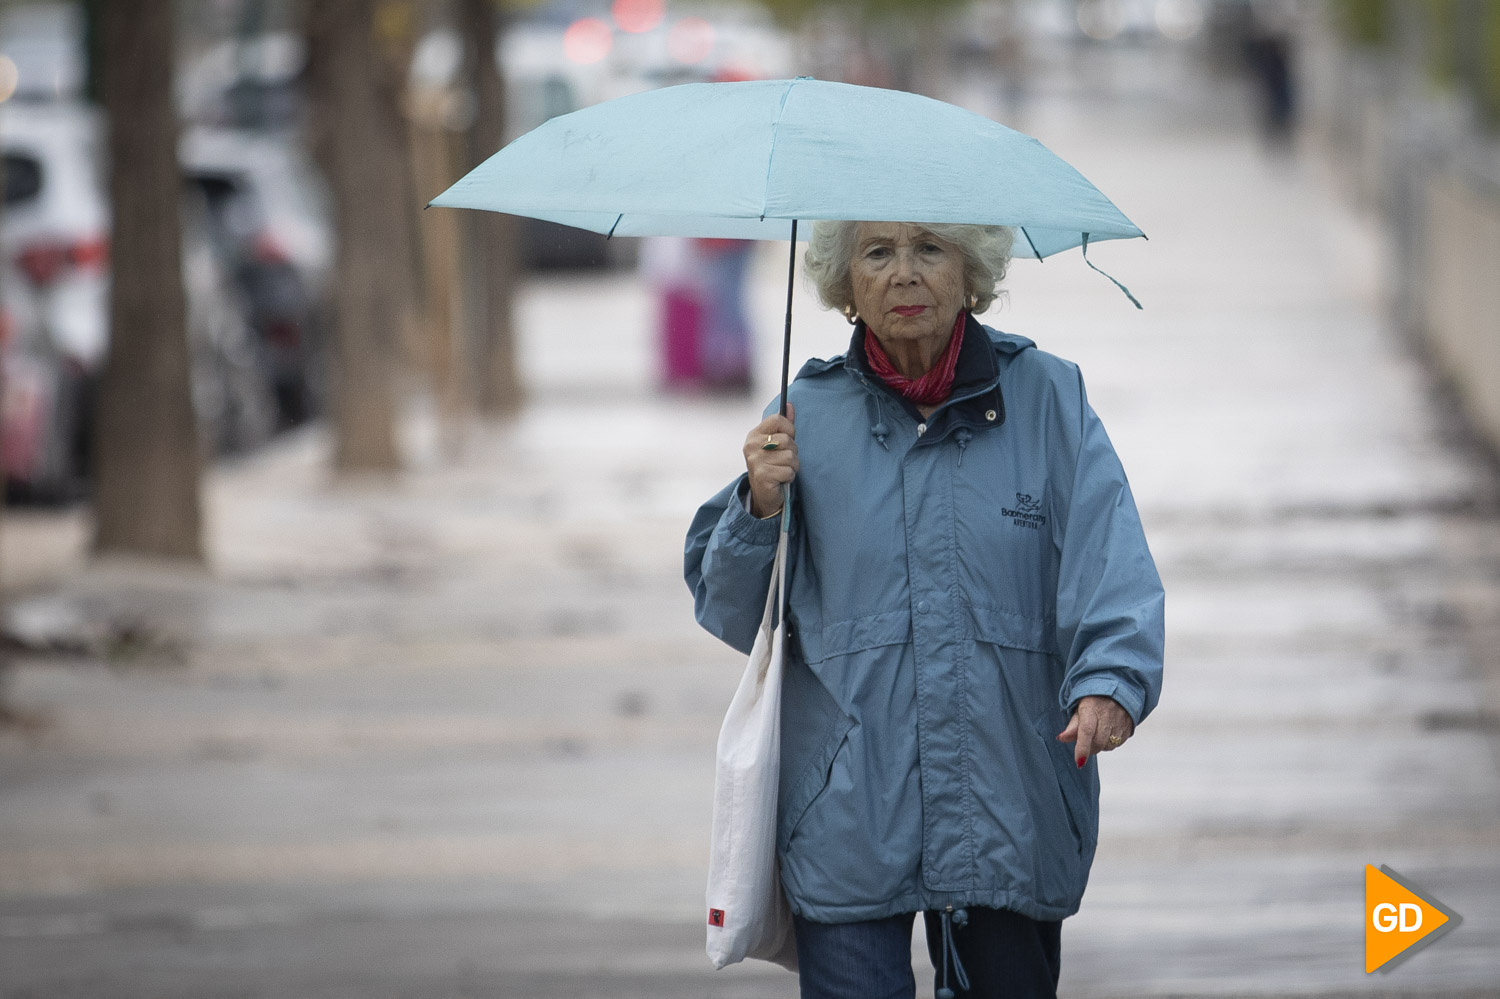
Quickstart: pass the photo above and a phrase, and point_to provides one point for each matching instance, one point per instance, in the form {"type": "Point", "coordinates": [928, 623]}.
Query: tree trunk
{"type": "Point", "coordinates": [147, 462]}
{"type": "Point", "coordinates": [437, 152]}
{"type": "Point", "coordinates": [397, 23]}
{"type": "Point", "coordinates": [491, 239]}
{"type": "Point", "coordinates": [357, 141]}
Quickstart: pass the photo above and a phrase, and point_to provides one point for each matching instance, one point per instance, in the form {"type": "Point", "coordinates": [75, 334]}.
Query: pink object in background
{"type": "Point", "coordinates": [673, 269]}
{"type": "Point", "coordinates": [682, 334]}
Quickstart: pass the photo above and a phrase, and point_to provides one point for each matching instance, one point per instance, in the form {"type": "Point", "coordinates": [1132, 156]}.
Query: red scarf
{"type": "Point", "coordinates": [933, 387]}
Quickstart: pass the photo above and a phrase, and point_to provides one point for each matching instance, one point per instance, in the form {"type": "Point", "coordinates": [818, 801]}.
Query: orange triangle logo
{"type": "Point", "coordinates": [1398, 919]}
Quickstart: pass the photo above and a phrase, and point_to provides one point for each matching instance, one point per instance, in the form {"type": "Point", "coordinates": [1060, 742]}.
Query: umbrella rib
{"type": "Point", "coordinates": [771, 156]}
{"type": "Point", "coordinates": [1029, 242]}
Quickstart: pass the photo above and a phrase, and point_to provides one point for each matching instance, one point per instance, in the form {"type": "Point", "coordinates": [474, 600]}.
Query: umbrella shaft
{"type": "Point", "coordinates": [786, 347]}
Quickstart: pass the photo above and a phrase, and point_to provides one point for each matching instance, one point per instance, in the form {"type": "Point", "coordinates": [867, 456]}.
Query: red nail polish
{"type": "Point", "coordinates": [1081, 761]}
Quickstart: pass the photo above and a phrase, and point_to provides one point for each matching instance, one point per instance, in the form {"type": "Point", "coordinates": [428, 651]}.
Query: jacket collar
{"type": "Point", "coordinates": [976, 384]}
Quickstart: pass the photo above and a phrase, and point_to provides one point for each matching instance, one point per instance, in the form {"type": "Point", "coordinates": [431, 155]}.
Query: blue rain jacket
{"type": "Point", "coordinates": [956, 585]}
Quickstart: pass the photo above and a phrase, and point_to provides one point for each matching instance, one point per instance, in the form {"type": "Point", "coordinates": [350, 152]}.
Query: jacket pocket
{"type": "Point", "coordinates": [810, 779]}
{"type": "Point", "coordinates": [1076, 794]}
{"type": "Point", "coordinates": [858, 634]}
{"type": "Point", "coordinates": [999, 626]}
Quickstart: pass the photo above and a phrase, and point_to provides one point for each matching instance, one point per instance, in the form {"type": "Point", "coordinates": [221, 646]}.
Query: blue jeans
{"type": "Point", "coordinates": [1005, 954]}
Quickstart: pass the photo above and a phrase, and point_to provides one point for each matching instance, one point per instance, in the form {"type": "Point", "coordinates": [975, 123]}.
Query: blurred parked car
{"type": "Point", "coordinates": [55, 288]}
{"type": "Point", "coordinates": [269, 217]}
{"type": "Point", "coordinates": [245, 82]}
{"type": "Point", "coordinates": [54, 282]}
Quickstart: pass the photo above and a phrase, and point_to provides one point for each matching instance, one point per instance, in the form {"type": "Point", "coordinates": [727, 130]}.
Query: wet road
{"type": "Point", "coordinates": [454, 738]}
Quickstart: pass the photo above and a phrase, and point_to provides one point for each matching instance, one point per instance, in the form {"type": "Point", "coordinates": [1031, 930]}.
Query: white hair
{"type": "Point", "coordinates": [986, 250]}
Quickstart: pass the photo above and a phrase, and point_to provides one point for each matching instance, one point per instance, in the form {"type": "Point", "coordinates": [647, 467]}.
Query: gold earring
{"type": "Point", "coordinates": [851, 315]}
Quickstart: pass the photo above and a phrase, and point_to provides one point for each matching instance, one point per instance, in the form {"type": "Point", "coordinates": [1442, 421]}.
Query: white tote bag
{"type": "Point", "coordinates": [748, 914]}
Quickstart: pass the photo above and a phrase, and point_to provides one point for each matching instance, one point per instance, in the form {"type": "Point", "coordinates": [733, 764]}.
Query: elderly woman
{"type": "Point", "coordinates": [974, 616]}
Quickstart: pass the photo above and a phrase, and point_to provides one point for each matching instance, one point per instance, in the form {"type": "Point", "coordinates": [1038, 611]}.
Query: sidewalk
{"type": "Point", "coordinates": [455, 737]}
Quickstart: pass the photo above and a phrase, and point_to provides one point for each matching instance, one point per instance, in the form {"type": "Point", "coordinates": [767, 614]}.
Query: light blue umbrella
{"type": "Point", "coordinates": [750, 160]}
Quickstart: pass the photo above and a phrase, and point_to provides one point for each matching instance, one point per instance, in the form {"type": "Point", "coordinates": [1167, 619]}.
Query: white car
{"type": "Point", "coordinates": [55, 283]}
{"type": "Point", "coordinates": [54, 279]}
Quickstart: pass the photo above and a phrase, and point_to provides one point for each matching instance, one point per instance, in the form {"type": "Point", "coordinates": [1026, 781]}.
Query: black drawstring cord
{"type": "Point", "coordinates": [879, 431]}
{"type": "Point", "coordinates": [952, 917]}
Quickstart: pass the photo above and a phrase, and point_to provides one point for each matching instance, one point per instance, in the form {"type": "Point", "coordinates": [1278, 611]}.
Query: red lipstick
{"type": "Point", "coordinates": [909, 310]}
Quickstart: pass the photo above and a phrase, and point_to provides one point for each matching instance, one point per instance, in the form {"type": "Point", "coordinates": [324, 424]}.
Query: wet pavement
{"type": "Point", "coordinates": [454, 736]}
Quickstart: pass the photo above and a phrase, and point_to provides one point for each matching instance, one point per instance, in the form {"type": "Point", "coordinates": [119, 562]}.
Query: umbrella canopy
{"type": "Point", "coordinates": [745, 160]}
{"type": "Point", "coordinates": [749, 160]}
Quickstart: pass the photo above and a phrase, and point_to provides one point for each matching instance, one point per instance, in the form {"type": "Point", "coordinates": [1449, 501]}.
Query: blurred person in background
{"type": "Point", "coordinates": [725, 342]}
{"type": "Point", "coordinates": [1268, 51]}
{"type": "Point", "coordinates": [702, 330]}
{"type": "Point", "coordinates": [673, 270]}
{"type": "Point", "coordinates": [973, 615]}
{"type": "Point", "coordinates": [726, 331]}
{"type": "Point", "coordinates": [700, 290]}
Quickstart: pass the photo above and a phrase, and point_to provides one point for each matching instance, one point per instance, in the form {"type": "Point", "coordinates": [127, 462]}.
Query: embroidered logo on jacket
{"type": "Point", "coordinates": [1027, 512]}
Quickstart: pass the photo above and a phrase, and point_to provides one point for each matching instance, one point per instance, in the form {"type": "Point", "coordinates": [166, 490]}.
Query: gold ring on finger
{"type": "Point", "coordinates": [1115, 740]}
{"type": "Point", "coordinates": [770, 444]}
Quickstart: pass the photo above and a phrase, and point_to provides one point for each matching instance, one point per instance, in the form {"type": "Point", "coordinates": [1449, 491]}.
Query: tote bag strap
{"type": "Point", "coordinates": [776, 592]}
{"type": "Point", "coordinates": [774, 616]}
